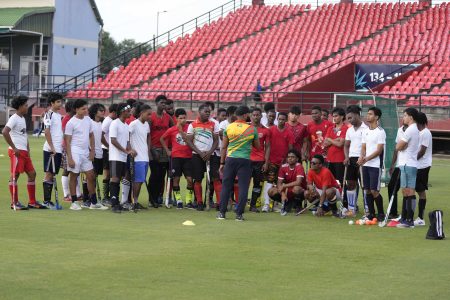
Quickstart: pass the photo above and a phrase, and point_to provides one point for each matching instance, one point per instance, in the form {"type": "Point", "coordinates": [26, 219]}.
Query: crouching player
{"type": "Point", "coordinates": [322, 187]}
{"type": "Point", "coordinates": [291, 184]}
{"type": "Point", "coordinates": [181, 156]}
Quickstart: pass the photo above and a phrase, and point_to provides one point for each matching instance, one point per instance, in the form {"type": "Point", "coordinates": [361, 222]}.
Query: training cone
{"type": "Point", "coordinates": [188, 223]}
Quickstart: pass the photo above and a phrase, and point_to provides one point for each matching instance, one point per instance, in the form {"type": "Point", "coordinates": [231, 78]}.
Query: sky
{"type": "Point", "coordinates": [136, 19]}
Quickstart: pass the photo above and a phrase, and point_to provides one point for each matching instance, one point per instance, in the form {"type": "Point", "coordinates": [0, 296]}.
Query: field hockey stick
{"type": "Point", "coordinates": [308, 206]}
{"type": "Point", "coordinates": [169, 177]}
{"type": "Point", "coordinates": [207, 186]}
{"type": "Point", "coordinates": [361, 186]}
{"type": "Point", "coordinates": [133, 200]}
{"type": "Point", "coordinates": [55, 185]}
{"type": "Point", "coordinates": [306, 176]}
{"type": "Point", "coordinates": [14, 182]}
{"type": "Point", "coordinates": [386, 217]}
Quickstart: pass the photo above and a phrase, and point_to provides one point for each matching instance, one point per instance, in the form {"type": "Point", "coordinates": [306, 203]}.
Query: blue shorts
{"type": "Point", "coordinates": [140, 171]}
{"type": "Point", "coordinates": [408, 177]}
{"type": "Point", "coordinates": [371, 178]}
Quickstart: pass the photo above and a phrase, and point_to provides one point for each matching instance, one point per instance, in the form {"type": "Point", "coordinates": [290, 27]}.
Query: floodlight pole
{"type": "Point", "coordinates": [157, 23]}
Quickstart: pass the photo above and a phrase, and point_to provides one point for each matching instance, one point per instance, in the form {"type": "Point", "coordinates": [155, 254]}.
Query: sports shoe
{"type": "Point", "coordinates": [180, 205]}
{"type": "Point", "coordinates": [67, 199]}
{"type": "Point", "coordinates": [75, 206]}
{"type": "Point", "coordinates": [116, 209]}
{"type": "Point", "coordinates": [393, 223]}
{"type": "Point", "coordinates": [19, 206]}
{"type": "Point", "coordinates": [106, 202]}
{"type": "Point", "coordinates": [419, 222]}
{"type": "Point", "coordinates": [48, 204]}
{"type": "Point", "coordinates": [127, 206]}
{"type": "Point", "coordinates": [253, 209]}
{"type": "Point", "coordinates": [220, 216]}
{"type": "Point", "coordinates": [36, 205]}
{"type": "Point", "coordinates": [239, 218]}
{"type": "Point", "coordinates": [200, 207]}
{"type": "Point", "coordinates": [98, 206]}
{"type": "Point", "coordinates": [189, 206]}
{"type": "Point", "coordinates": [283, 212]}
{"type": "Point", "coordinates": [265, 208]}
{"type": "Point", "coordinates": [86, 204]}
{"type": "Point", "coordinates": [405, 224]}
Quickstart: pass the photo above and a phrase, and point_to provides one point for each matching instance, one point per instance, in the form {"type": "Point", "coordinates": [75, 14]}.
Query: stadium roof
{"type": "Point", "coordinates": [11, 16]}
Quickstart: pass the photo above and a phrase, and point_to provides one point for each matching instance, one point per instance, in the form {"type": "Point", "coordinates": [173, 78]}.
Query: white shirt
{"type": "Point", "coordinates": [222, 126]}
{"type": "Point", "coordinates": [105, 128]}
{"type": "Point", "coordinates": [264, 120]}
{"type": "Point", "coordinates": [120, 131]}
{"type": "Point", "coordinates": [79, 129]}
{"type": "Point", "coordinates": [97, 129]}
{"type": "Point", "coordinates": [18, 131]}
{"type": "Point", "coordinates": [355, 138]}
{"type": "Point", "coordinates": [408, 156]}
{"type": "Point", "coordinates": [203, 138]}
{"type": "Point", "coordinates": [52, 120]}
{"type": "Point", "coordinates": [425, 139]}
{"type": "Point", "coordinates": [138, 139]}
{"type": "Point", "coordinates": [398, 137]}
{"type": "Point", "coordinates": [372, 138]}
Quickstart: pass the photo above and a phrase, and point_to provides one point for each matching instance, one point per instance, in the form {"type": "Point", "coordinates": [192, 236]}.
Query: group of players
{"type": "Point", "coordinates": [233, 147]}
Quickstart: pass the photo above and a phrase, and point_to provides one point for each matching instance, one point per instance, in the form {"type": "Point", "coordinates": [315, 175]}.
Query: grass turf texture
{"type": "Point", "coordinates": [100, 255]}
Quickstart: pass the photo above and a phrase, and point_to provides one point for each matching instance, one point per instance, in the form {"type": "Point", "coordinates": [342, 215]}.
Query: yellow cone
{"type": "Point", "coordinates": [188, 223]}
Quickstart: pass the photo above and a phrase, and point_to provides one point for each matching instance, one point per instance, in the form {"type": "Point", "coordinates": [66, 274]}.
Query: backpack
{"type": "Point", "coordinates": [436, 229]}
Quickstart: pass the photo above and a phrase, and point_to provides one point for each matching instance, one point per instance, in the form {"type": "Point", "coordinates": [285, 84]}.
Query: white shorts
{"type": "Point", "coordinates": [338, 193]}
{"type": "Point", "coordinates": [82, 163]}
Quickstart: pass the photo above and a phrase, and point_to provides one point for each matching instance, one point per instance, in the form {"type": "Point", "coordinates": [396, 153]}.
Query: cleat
{"type": "Point", "coordinates": [18, 206]}
{"type": "Point", "coordinates": [75, 206]}
{"type": "Point", "coordinates": [265, 208]}
{"type": "Point", "coordinates": [36, 205]}
{"type": "Point", "coordinates": [86, 204]}
{"type": "Point", "coordinates": [98, 206]}
{"type": "Point", "coordinates": [239, 218]}
{"type": "Point", "coordinates": [220, 216]}
{"type": "Point", "coordinates": [419, 222]}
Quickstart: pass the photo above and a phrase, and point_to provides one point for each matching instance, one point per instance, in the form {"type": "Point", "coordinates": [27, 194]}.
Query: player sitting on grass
{"type": "Point", "coordinates": [322, 187]}
{"type": "Point", "coordinates": [53, 145]}
{"type": "Point", "coordinates": [15, 133]}
{"type": "Point", "coordinates": [291, 184]}
{"type": "Point", "coordinates": [80, 146]}
{"type": "Point", "coordinates": [181, 155]}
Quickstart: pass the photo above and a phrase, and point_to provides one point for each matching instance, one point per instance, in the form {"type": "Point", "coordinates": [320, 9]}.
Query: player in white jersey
{"type": "Point", "coordinates": [371, 158]}
{"type": "Point", "coordinates": [352, 151]}
{"type": "Point", "coordinates": [105, 146]}
{"type": "Point", "coordinates": [80, 147]}
{"type": "Point", "coordinates": [15, 134]}
{"type": "Point", "coordinates": [53, 145]}
{"type": "Point", "coordinates": [407, 149]}
{"type": "Point", "coordinates": [424, 161]}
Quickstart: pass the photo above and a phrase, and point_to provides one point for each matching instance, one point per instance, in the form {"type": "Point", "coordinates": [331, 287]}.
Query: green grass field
{"type": "Point", "coordinates": [100, 255]}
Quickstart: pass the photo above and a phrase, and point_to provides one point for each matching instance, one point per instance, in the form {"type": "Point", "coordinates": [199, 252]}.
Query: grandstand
{"type": "Point", "coordinates": [302, 53]}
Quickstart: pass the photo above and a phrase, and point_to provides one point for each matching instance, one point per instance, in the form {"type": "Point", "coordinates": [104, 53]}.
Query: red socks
{"type": "Point", "coordinates": [217, 188]}
{"type": "Point", "coordinates": [198, 192]}
{"type": "Point", "coordinates": [31, 188]}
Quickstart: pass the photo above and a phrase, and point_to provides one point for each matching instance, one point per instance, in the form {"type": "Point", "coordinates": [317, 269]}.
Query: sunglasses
{"type": "Point", "coordinates": [125, 108]}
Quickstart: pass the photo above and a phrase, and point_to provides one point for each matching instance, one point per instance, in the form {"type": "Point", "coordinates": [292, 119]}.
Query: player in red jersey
{"type": "Point", "coordinates": [322, 186]}
{"type": "Point", "coordinates": [317, 129]}
{"type": "Point", "coordinates": [181, 155]}
{"type": "Point", "coordinates": [291, 183]}
{"type": "Point", "coordinates": [259, 157]}
{"type": "Point", "coordinates": [299, 131]}
{"type": "Point", "coordinates": [160, 121]}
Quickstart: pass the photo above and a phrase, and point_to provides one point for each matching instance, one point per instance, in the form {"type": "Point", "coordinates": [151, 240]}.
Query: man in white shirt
{"type": "Point", "coordinates": [105, 146]}
{"type": "Point", "coordinates": [53, 145]}
{"type": "Point", "coordinates": [119, 149]}
{"type": "Point", "coordinates": [424, 161]}
{"type": "Point", "coordinates": [80, 153]}
{"type": "Point", "coordinates": [140, 140]}
{"type": "Point", "coordinates": [407, 148]}
{"type": "Point", "coordinates": [371, 158]}
{"type": "Point", "coordinates": [352, 151]}
{"type": "Point", "coordinates": [266, 120]}
{"type": "Point", "coordinates": [15, 134]}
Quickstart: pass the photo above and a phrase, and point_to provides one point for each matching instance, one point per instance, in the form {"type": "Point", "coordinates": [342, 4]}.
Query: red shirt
{"type": "Point", "coordinates": [336, 154]}
{"type": "Point", "coordinates": [264, 138]}
{"type": "Point", "coordinates": [64, 121]}
{"type": "Point", "coordinates": [317, 134]}
{"type": "Point", "coordinates": [158, 125]}
{"type": "Point", "coordinates": [130, 119]}
{"type": "Point", "coordinates": [299, 132]}
{"type": "Point", "coordinates": [323, 178]}
{"type": "Point", "coordinates": [279, 141]}
{"type": "Point", "coordinates": [289, 175]}
{"type": "Point", "coordinates": [179, 147]}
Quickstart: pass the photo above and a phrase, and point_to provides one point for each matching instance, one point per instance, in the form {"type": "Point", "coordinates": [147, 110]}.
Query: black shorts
{"type": "Point", "coordinates": [181, 166]}
{"type": "Point", "coordinates": [337, 169]}
{"type": "Point", "coordinates": [98, 164]}
{"type": "Point", "coordinates": [199, 167]}
{"type": "Point", "coordinates": [371, 178]}
{"type": "Point", "coordinates": [422, 179]}
{"type": "Point", "coordinates": [105, 160]}
{"type": "Point", "coordinates": [48, 167]}
{"type": "Point", "coordinates": [117, 168]}
{"type": "Point", "coordinates": [353, 169]}
{"type": "Point", "coordinates": [271, 175]}
{"type": "Point", "coordinates": [257, 173]}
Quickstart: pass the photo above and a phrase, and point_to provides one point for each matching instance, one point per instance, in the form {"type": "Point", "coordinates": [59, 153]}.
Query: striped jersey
{"type": "Point", "coordinates": [240, 137]}
{"type": "Point", "coordinates": [203, 133]}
